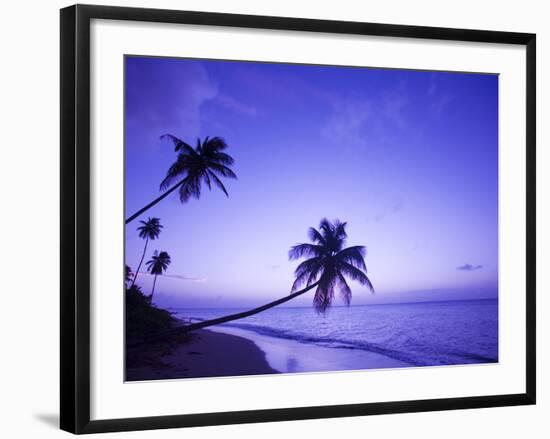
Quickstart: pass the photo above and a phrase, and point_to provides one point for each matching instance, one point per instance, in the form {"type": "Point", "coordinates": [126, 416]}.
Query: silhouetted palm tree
{"type": "Point", "coordinates": [207, 162]}
{"type": "Point", "coordinates": [128, 275]}
{"type": "Point", "coordinates": [328, 265]}
{"type": "Point", "coordinates": [149, 229]}
{"type": "Point", "coordinates": [158, 264]}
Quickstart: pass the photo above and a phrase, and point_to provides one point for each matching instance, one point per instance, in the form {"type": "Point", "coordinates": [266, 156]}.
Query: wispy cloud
{"type": "Point", "coordinates": [178, 276]}
{"type": "Point", "coordinates": [393, 209]}
{"type": "Point", "coordinates": [469, 267]}
{"type": "Point", "coordinates": [357, 120]}
{"type": "Point", "coordinates": [439, 99]}
{"type": "Point", "coordinates": [235, 105]}
{"type": "Point", "coordinates": [165, 96]}
{"type": "Point", "coordinates": [393, 107]}
{"type": "Point", "coordinates": [347, 121]}
{"type": "Point", "coordinates": [440, 104]}
{"type": "Point", "coordinates": [432, 87]}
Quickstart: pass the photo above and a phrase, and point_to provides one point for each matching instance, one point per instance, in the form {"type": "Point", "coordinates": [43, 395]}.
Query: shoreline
{"type": "Point", "coordinates": [200, 354]}
{"type": "Point", "coordinates": [292, 356]}
{"type": "Point", "coordinates": [222, 351]}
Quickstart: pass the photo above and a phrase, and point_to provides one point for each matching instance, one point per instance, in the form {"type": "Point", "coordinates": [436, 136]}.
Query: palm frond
{"type": "Point", "coordinates": [306, 273]}
{"type": "Point", "coordinates": [221, 158]}
{"type": "Point", "coordinates": [175, 171]}
{"type": "Point", "coordinates": [333, 233]}
{"type": "Point", "coordinates": [325, 227]}
{"type": "Point", "coordinates": [179, 145]}
{"type": "Point", "coordinates": [152, 261]}
{"type": "Point", "coordinates": [164, 259]}
{"type": "Point", "coordinates": [198, 148]}
{"type": "Point", "coordinates": [305, 250]}
{"type": "Point", "coordinates": [339, 229]}
{"type": "Point", "coordinates": [222, 170]}
{"type": "Point", "coordinates": [314, 274]}
{"type": "Point", "coordinates": [191, 188]}
{"type": "Point", "coordinates": [314, 235]}
{"type": "Point", "coordinates": [206, 178]}
{"type": "Point", "coordinates": [215, 144]}
{"type": "Point", "coordinates": [218, 182]}
{"type": "Point", "coordinates": [298, 282]}
{"type": "Point", "coordinates": [307, 266]}
{"type": "Point", "coordinates": [355, 274]}
{"type": "Point", "coordinates": [354, 255]}
{"type": "Point", "coordinates": [345, 290]}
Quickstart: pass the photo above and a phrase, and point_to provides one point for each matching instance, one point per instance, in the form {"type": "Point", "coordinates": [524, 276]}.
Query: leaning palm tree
{"type": "Point", "coordinates": [326, 269]}
{"type": "Point", "coordinates": [149, 229]}
{"type": "Point", "coordinates": [158, 264]}
{"type": "Point", "coordinates": [207, 162]}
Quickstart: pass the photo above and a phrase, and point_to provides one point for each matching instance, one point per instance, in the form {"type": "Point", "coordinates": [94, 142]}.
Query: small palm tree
{"type": "Point", "coordinates": [328, 265]}
{"type": "Point", "coordinates": [158, 264]}
{"type": "Point", "coordinates": [207, 162]}
{"type": "Point", "coordinates": [128, 275]}
{"type": "Point", "coordinates": [149, 229]}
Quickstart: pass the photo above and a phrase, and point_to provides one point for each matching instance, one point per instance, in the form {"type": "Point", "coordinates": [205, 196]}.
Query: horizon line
{"type": "Point", "coordinates": [347, 306]}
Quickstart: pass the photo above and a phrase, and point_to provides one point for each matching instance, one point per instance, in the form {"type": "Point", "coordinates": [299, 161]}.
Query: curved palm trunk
{"type": "Point", "coordinates": [153, 290]}
{"type": "Point", "coordinates": [225, 319]}
{"type": "Point", "coordinates": [140, 262]}
{"type": "Point", "coordinates": [155, 201]}
{"type": "Point", "coordinates": [241, 315]}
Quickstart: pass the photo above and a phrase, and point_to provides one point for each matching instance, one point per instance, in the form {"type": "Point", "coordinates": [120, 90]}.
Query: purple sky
{"type": "Point", "coordinates": [409, 159]}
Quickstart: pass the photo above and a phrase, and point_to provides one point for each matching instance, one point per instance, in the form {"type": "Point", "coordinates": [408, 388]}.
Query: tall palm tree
{"type": "Point", "coordinates": [149, 229]}
{"type": "Point", "coordinates": [328, 265]}
{"type": "Point", "coordinates": [158, 264]}
{"type": "Point", "coordinates": [207, 162]}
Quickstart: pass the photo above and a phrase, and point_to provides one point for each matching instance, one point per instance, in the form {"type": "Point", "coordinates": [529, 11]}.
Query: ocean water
{"type": "Point", "coordinates": [412, 334]}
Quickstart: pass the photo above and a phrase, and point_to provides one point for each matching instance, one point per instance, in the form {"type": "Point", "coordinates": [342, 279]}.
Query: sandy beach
{"type": "Point", "coordinates": [200, 354]}
{"type": "Point", "coordinates": [222, 352]}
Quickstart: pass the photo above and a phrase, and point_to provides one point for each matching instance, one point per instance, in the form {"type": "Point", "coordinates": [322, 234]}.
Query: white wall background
{"type": "Point", "coordinates": [29, 183]}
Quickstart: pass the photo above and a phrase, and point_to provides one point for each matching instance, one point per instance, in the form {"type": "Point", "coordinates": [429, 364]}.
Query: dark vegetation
{"type": "Point", "coordinates": [144, 320]}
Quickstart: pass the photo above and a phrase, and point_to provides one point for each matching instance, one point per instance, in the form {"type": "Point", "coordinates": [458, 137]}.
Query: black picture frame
{"type": "Point", "coordinates": [75, 217]}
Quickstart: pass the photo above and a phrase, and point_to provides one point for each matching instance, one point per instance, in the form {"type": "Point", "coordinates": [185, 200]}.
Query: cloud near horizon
{"type": "Point", "coordinates": [469, 267]}
{"type": "Point", "coordinates": [177, 276]}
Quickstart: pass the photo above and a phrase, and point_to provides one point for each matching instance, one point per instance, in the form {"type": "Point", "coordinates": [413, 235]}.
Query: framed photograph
{"type": "Point", "coordinates": [285, 218]}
